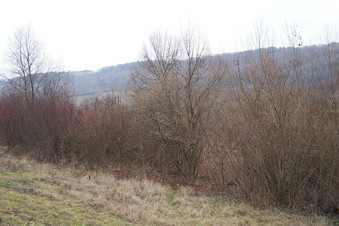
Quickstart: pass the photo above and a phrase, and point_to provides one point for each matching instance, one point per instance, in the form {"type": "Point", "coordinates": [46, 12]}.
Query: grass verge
{"type": "Point", "coordinates": [42, 194]}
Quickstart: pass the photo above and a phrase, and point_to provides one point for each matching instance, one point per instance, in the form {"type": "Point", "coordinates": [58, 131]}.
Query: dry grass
{"type": "Point", "coordinates": [43, 194]}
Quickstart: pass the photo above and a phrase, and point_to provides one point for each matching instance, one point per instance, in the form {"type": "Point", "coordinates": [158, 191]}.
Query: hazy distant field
{"type": "Point", "coordinates": [91, 97]}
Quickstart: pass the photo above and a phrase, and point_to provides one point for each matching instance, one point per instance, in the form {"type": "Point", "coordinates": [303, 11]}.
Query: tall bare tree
{"type": "Point", "coordinates": [36, 95]}
{"type": "Point", "coordinates": [176, 90]}
{"type": "Point", "coordinates": [28, 65]}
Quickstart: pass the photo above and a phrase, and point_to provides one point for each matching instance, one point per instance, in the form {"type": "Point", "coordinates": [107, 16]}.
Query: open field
{"type": "Point", "coordinates": [42, 194]}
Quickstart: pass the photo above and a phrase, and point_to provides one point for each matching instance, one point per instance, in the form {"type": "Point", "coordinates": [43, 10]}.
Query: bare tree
{"type": "Point", "coordinates": [28, 65]}
{"type": "Point", "coordinates": [36, 99]}
{"type": "Point", "coordinates": [176, 90]}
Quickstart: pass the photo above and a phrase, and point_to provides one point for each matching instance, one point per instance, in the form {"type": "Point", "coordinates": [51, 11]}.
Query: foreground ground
{"type": "Point", "coordinates": [42, 194]}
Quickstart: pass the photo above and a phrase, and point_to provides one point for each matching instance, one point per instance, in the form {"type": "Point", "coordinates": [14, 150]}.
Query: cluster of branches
{"type": "Point", "coordinates": [175, 93]}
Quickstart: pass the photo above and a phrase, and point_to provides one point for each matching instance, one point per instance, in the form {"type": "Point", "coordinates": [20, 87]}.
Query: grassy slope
{"type": "Point", "coordinates": [42, 194]}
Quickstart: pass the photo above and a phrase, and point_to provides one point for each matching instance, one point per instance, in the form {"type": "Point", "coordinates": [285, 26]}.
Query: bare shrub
{"type": "Point", "coordinates": [287, 144]}
{"type": "Point", "coordinates": [100, 133]}
{"type": "Point", "coordinates": [174, 93]}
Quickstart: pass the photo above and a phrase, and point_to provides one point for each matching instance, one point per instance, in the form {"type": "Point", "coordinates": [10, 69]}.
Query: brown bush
{"type": "Point", "coordinates": [286, 147]}
{"type": "Point", "coordinates": [174, 93]}
{"type": "Point", "coordinates": [101, 132]}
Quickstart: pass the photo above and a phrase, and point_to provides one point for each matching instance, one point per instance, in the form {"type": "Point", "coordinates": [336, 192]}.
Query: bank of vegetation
{"type": "Point", "coordinates": [261, 127]}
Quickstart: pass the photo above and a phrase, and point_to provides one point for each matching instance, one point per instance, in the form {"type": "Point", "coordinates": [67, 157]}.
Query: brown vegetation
{"type": "Point", "coordinates": [257, 128]}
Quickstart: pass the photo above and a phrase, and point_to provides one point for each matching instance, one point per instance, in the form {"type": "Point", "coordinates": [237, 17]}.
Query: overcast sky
{"type": "Point", "coordinates": [90, 34]}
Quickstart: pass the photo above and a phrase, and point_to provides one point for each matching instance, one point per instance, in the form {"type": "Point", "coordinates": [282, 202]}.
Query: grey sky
{"type": "Point", "coordinates": [89, 34]}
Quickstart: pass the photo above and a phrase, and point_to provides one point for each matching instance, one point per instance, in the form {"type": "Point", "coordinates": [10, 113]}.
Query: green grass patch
{"type": "Point", "coordinates": [22, 204]}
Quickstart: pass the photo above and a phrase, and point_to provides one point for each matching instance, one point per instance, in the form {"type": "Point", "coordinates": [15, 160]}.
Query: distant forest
{"type": "Point", "coordinates": [115, 78]}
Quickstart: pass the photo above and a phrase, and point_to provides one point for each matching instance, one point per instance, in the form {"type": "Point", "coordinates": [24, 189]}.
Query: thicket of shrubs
{"type": "Point", "coordinates": [259, 127]}
{"type": "Point", "coordinates": [61, 131]}
{"type": "Point", "coordinates": [284, 136]}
